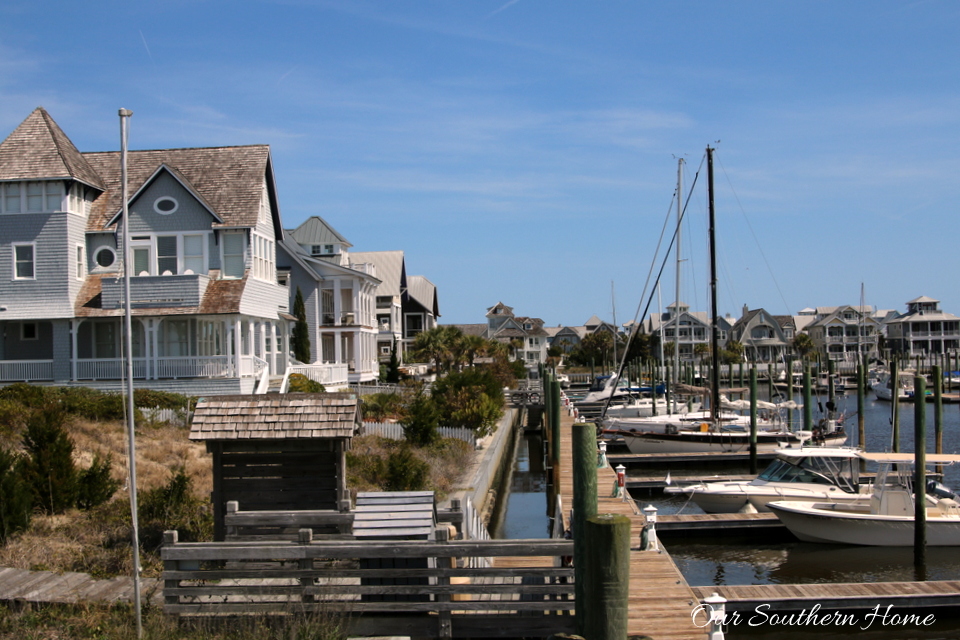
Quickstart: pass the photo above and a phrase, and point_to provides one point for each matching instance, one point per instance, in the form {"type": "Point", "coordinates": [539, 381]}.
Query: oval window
{"type": "Point", "coordinates": [106, 257]}
{"type": "Point", "coordinates": [165, 205]}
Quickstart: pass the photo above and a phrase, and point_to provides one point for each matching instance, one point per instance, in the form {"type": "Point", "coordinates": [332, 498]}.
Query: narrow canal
{"type": "Point", "coordinates": [524, 513]}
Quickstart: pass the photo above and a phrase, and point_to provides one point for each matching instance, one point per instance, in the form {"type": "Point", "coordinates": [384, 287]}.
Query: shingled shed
{"type": "Point", "coordinates": [277, 451]}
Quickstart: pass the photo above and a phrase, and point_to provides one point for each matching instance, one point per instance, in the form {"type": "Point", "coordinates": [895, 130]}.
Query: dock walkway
{"type": "Point", "coordinates": [661, 601]}
{"type": "Point", "coordinates": [20, 586]}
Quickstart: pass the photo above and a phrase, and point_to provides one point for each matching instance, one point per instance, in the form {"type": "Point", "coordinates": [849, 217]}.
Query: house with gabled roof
{"type": "Point", "coordinates": [392, 273]}
{"type": "Point", "coordinates": [526, 335]}
{"type": "Point", "coordinates": [339, 299]}
{"type": "Point", "coordinates": [845, 332]}
{"type": "Point", "coordinates": [761, 335]}
{"type": "Point", "coordinates": [209, 315]}
{"type": "Point", "coordinates": [689, 330]}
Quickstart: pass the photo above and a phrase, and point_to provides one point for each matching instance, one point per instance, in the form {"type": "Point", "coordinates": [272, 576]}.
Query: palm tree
{"type": "Point", "coordinates": [803, 345]}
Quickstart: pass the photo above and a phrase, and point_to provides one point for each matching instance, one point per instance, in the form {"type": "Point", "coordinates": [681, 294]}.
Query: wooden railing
{"type": "Point", "coordinates": [358, 580]}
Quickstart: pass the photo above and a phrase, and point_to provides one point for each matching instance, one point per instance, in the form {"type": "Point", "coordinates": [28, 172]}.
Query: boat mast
{"type": "Point", "coordinates": [676, 299]}
{"type": "Point", "coordinates": [715, 334]}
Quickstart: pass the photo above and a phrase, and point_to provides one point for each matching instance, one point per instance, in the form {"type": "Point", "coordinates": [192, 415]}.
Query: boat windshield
{"type": "Point", "coordinates": [840, 472]}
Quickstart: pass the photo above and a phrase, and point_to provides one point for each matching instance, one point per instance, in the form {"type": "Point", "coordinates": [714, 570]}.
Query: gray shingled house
{"type": "Point", "coordinates": [209, 314]}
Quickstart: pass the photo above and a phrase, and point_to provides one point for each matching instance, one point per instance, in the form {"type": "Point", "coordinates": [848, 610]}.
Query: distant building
{"type": "Point", "coordinates": [846, 332]}
{"type": "Point", "coordinates": [761, 335]}
{"type": "Point", "coordinates": [924, 329]}
{"type": "Point", "coordinates": [689, 330]}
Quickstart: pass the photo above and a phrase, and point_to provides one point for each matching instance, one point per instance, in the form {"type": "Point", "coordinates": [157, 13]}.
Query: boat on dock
{"type": "Point", "coordinates": [888, 519]}
{"type": "Point", "coordinates": [826, 474]}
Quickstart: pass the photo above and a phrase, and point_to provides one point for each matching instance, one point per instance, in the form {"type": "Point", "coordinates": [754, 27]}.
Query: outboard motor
{"type": "Point", "coordinates": [939, 490]}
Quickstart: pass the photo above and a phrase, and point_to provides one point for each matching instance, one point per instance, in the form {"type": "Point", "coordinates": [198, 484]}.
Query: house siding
{"type": "Point", "coordinates": [48, 295]}
{"type": "Point", "coordinates": [189, 216]}
{"type": "Point", "coordinates": [263, 299]}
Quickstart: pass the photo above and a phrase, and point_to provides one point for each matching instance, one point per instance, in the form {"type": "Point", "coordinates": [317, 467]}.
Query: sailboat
{"type": "Point", "coordinates": [715, 432]}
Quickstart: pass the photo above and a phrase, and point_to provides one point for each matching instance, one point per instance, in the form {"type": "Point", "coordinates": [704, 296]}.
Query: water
{"type": "Point", "coordinates": [525, 514]}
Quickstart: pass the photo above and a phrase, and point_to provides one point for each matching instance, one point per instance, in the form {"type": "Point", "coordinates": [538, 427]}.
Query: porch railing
{"type": "Point", "coordinates": [326, 374]}
{"type": "Point", "coordinates": [109, 368]}
{"type": "Point", "coordinates": [195, 367]}
{"type": "Point", "coordinates": [26, 370]}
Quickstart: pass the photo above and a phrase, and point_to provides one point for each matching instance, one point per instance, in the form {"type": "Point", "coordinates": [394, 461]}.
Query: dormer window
{"type": "Point", "coordinates": [32, 197]}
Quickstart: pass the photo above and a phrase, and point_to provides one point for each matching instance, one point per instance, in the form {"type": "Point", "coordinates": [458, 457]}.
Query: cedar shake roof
{"type": "Point", "coordinates": [276, 416]}
{"type": "Point", "coordinates": [220, 296]}
{"type": "Point", "coordinates": [39, 149]}
{"type": "Point", "coordinates": [229, 180]}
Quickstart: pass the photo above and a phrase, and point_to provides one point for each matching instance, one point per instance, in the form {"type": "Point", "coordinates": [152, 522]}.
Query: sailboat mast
{"type": "Point", "coordinates": [715, 334]}
{"type": "Point", "coordinates": [676, 299]}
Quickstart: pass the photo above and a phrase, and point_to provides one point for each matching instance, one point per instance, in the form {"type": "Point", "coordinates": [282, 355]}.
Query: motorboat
{"type": "Point", "coordinates": [884, 386]}
{"type": "Point", "coordinates": [888, 518]}
{"type": "Point", "coordinates": [634, 407]}
{"type": "Point", "coordinates": [830, 474]}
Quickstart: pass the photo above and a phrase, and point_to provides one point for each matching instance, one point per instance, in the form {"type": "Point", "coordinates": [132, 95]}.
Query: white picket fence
{"type": "Point", "coordinates": [475, 529]}
{"type": "Point", "coordinates": [394, 431]}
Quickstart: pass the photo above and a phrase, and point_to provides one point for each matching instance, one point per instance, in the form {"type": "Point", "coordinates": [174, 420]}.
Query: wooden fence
{"type": "Point", "coordinates": [532, 595]}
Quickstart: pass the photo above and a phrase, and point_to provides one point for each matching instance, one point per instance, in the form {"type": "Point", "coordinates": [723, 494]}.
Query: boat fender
{"type": "Point", "coordinates": [748, 508]}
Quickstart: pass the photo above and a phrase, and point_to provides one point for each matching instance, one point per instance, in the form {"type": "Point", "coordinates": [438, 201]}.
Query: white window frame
{"type": "Point", "coordinates": [150, 243]}
{"type": "Point", "coordinates": [81, 261]}
{"type": "Point", "coordinates": [113, 263]}
{"type": "Point", "coordinates": [263, 265]}
{"type": "Point", "coordinates": [33, 259]}
{"type": "Point", "coordinates": [223, 254]}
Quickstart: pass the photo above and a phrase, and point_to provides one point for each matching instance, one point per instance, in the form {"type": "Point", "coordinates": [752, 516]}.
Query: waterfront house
{"type": "Point", "coordinates": [689, 330]}
{"type": "Point", "coordinates": [845, 332]}
{"type": "Point", "coordinates": [339, 297]}
{"type": "Point", "coordinates": [761, 335]}
{"type": "Point", "coordinates": [526, 336]}
{"type": "Point", "coordinates": [924, 329]}
{"type": "Point", "coordinates": [209, 315]}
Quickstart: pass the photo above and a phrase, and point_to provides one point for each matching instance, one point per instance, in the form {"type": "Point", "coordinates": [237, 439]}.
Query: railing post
{"type": "Point", "coordinates": [442, 535]}
{"type": "Point", "coordinates": [305, 538]}
{"type": "Point", "coordinates": [170, 539]}
{"type": "Point", "coordinates": [602, 614]}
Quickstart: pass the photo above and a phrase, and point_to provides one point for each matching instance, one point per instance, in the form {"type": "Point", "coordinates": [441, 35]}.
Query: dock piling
{"type": "Point", "coordinates": [607, 577]}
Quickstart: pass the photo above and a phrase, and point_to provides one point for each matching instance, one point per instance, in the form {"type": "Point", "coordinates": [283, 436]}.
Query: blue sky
{"type": "Point", "coordinates": [525, 151]}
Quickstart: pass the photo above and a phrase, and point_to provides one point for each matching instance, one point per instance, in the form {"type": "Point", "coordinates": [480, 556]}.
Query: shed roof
{"type": "Point", "coordinates": [276, 416]}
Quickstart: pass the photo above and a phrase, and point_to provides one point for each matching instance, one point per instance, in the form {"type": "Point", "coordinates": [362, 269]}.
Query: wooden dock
{"type": "Point", "coordinates": [23, 587]}
{"type": "Point", "coordinates": [905, 596]}
{"type": "Point", "coordinates": [661, 601]}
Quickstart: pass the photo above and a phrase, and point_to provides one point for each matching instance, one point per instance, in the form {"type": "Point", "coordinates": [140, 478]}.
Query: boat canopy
{"type": "Point", "coordinates": [909, 458]}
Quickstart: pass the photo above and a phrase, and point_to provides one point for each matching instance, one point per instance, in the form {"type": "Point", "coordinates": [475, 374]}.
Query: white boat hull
{"type": "Point", "coordinates": [731, 497]}
{"type": "Point", "coordinates": [835, 524]}
{"type": "Point", "coordinates": [706, 442]}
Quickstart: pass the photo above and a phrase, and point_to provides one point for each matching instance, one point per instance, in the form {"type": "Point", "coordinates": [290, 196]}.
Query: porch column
{"type": "Point", "coordinates": [237, 345]}
{"type": "Point", "coordinates": [74, 354]}
{"type": "Point", "coordinates": [153, 357]}
{"type": "Point", "coordinates": [358, 355]}
{"type": "Point", "coordinates": [274, 369]}
{"type": "Point", "coordinates": [337, 310]}
{"type": "Point", "coordinates": [338, 347]}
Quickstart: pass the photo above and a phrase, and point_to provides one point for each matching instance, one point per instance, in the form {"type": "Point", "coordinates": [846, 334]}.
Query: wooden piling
{"type": "Point", "coordinates": [584, 495]}
{"type": "Point", "coordinates": [807, 398]}
{"type": "Point", "coordinates": [895, 403]}
{"type": "Point", "coordinates": [753, 419]}
{"type": "Point", "coordinates": [920, 478]}
{"type": "Point", "coordinates": [607, 576]}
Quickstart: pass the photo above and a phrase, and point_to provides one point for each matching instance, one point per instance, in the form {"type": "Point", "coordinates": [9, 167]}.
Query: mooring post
{"type": "Point", "coordinates": [602, 614]}
{"type": "Point", "coordinates": [920, 477]}
{"type": "Point", "coordinates": [861, 406]}
{"type": "Point", "coordinates": [584, 496]}
{"type": "Point", "coordinates": [555, 423]}
{"type": "Point", "coordinates": [938, 412]}
{"type": "Point", "coordinates": [753, 420]}
{"type": "Point", "coordinates": [895, 402]}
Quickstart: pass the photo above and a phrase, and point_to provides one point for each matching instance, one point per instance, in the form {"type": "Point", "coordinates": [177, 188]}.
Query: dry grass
{"type": "Point", "coordinates": [98, 541]}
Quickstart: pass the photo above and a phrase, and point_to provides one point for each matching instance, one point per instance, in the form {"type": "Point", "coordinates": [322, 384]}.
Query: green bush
{"type": "Point", "coordinates": [153, 399]}
{"type": "Point", "coordinates": [95, 485]}
{"type": "Point", "coordinates": [173, 506]}
{"type": "Point", "coordinates": [16, 500]}
{"type": "Point", "coordinates": [49, 468]}
{"type": "Point", "coordinates": [472, 398]}
{"type": "Point", "coordinates": [421, 420]}
{"type": "Point", "coordinates": [377, 407]}
{"type": "Point", "coordinates": [406, 472]}
{"type": "Point", "coordinates": [300, 383]}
